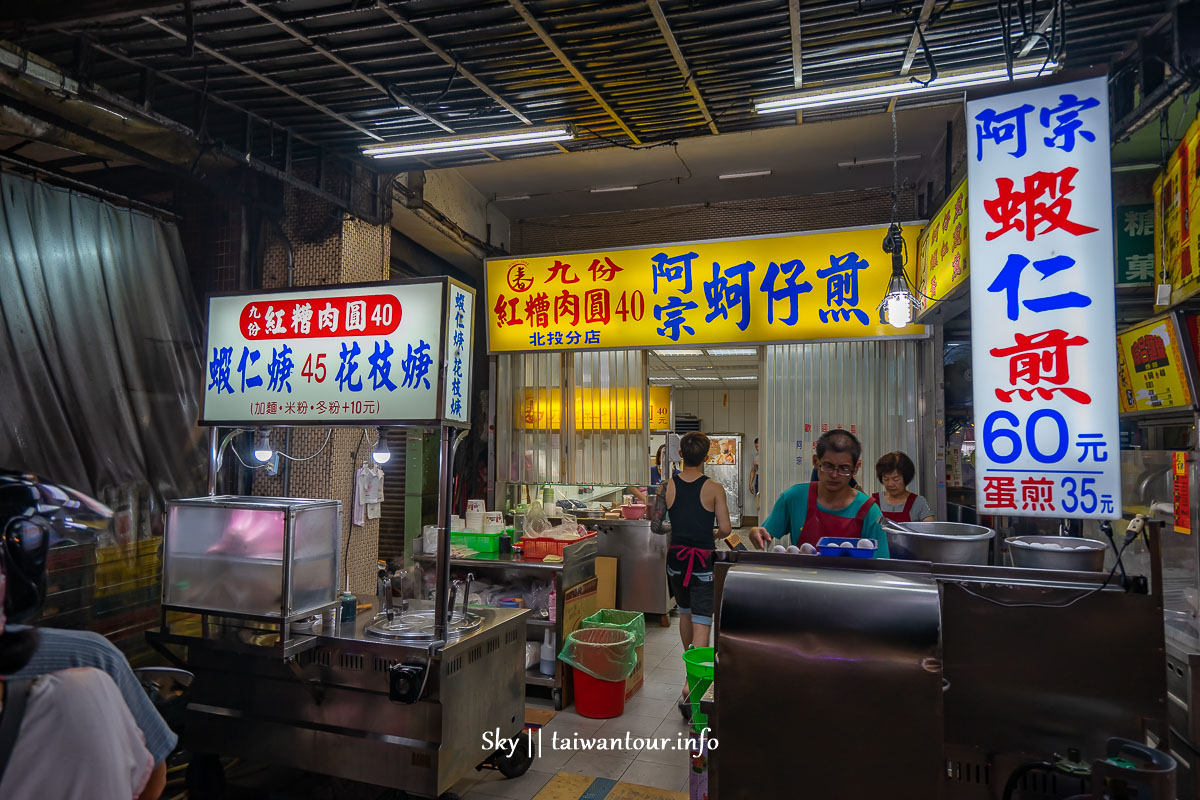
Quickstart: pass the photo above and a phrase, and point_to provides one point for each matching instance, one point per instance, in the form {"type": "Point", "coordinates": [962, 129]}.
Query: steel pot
{"type": "Point", "coordinates": [1024, 553]}
{"type": "Point", "coordinates": [939, 542]}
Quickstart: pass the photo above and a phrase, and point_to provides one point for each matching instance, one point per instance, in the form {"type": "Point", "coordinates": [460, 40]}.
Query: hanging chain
{"type": "Point", "coordinates": [895, 169]}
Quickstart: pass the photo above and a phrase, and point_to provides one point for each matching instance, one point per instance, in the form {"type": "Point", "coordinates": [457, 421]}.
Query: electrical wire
{"type": "Point", "coordinates": [284, 455]}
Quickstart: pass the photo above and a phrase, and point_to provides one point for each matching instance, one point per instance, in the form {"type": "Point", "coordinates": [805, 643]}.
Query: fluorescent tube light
{"type": "Point", "coordinates": [678, 352]}
{"type": "Point", "coordinates": [866, 162]}
{"type": "Point", "coordinates": [741, 377]}
{"type": "Point", "coordinates": [734, 175]}
{"type": "Point", "coordinates": [700, 378]}
{"type": "Point", "coordinates": [613, 189]}
{"type": "Point", "coordinates": [482, 141]}
{"type": "Point", "coordinates": [507, 197]}
{"type": "Point", "coordinates": [946, 81]}
{"type": "Point", "coordinates": [734, 351]}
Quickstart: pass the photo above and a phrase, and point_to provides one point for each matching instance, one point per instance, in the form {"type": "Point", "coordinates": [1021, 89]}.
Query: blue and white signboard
{"type": "Point", "coordinates": [1042, 303]}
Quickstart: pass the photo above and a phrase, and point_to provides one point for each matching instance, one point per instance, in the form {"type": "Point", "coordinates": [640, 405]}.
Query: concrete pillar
{"type": "Point", "coordinates": [328, 249]}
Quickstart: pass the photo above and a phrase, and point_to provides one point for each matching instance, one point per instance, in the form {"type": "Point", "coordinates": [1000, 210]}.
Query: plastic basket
{"type": "Point", "coordinates": [479, 542]}
{"type": "Point", "coordinates": [538, 547]}
{"type": "Point", "coordinates": [700, 664]}
{"type": "Point", "coordinates": [829, 546]}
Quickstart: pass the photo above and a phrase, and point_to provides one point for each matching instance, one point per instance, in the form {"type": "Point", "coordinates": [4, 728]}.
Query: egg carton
{"type": "Point", "coordinates": [855, 548]}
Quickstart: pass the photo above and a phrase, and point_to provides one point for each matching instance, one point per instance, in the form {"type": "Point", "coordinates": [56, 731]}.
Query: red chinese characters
{"type": "Point", "coordinates": [1025, 209]}
{"type": "Point", "coordinates": [311, 318]}
{"type": "Point", "coordinates": [1041, 357]}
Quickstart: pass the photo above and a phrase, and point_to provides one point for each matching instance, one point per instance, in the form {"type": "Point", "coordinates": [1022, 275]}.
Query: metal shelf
{"type": "Point", "coordinates": [541, 623]}
{"type": "Point", "coordinates": [536, 678]}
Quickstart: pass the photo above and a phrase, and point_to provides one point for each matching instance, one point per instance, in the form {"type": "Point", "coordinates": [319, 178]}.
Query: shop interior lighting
{"type": "Point", "coordinates": [262, 445]}
{"type": "Point", "coordinates": [508, 197]}
{"type": "Point", "coordinates": [741, 377]}
{"type": "Point", "coordinates": [599, 189]}
{"type": "Point", "coordinates": [762, 173]}
{"type": "Point", "coordinates": [482, 141]}
{"type": "Point", "coordinates": [700, 378]}
{"type": "Point", "coordinates": [678, 352]}
{"type": "Point", "coordinates": [885, 90]}
{"type": "Point", "coordinates": [734, 351]}
{"type": "Point", "coordinates": [381, 454]}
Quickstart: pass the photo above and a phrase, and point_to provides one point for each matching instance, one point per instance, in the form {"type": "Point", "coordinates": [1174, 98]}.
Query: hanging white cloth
{"type": "Point", "coordinates": [368, 493]}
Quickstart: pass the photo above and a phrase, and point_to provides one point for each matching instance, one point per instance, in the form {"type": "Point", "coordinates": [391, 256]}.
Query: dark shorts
{"type": "Point", "coordinates": [696, 598]}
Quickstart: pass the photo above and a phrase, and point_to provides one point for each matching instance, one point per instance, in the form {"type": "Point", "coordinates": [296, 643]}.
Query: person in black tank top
{"type": "Point", "coordinates": [691, 522]}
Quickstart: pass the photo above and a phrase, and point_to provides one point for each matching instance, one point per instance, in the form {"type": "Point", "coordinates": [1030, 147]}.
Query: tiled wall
{"type": "Point", "coordinates": [328, 250]}
{"type": "Point", "coordinates": [726, 411]}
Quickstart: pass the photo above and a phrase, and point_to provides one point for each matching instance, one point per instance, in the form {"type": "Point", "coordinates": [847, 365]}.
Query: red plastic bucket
{"type": "Point", "coordinates": [598, 699]}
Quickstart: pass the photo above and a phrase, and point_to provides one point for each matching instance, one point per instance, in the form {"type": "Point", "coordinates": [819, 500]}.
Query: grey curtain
{"type": "Point", "coordinates": [100, 348]}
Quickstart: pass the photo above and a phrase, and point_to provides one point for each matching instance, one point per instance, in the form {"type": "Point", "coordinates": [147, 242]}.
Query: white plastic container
{"type": "Point", "coordinates": [546, 663]}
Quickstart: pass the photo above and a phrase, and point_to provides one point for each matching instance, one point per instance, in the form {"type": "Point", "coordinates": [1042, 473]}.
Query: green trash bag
{"type": "Point", "coordinates": [632, 621]}
{"type": "Point", "coordinates": [606, 654]}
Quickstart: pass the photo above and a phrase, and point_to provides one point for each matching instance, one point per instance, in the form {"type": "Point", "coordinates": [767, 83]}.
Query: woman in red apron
{"type": "Point", "coordinates": [896, 471]}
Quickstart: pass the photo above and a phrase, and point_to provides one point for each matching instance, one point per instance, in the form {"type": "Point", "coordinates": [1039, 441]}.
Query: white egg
{"type": "Point", "coordinates": [1083, 547]}
{"type": "Point", "coordinates": [807, 549]}
{"type": "Point", "coordinates": [847, 545]}
{"type": "Point", "coordinates": [778, 549]}
{"type": "Point", "coordinates": [1053, 546]}
{"type": "Point", "coordinates": [865, 544]}
{"type": "Point", "coordinates": [792, 549]}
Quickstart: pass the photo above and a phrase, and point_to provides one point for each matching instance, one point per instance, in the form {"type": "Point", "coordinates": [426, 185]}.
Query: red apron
{"type": "Point", "coordinates": [818, 523]}
{"type": "Point", "coordinates": [904, 515]}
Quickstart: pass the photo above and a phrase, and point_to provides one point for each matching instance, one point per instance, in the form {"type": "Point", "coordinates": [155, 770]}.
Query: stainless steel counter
{"type": "Point", "coordinates": [641, 564]}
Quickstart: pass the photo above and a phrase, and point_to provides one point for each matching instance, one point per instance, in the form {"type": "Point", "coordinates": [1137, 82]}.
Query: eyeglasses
{"type": "Point", "coordinates": [829, 469]}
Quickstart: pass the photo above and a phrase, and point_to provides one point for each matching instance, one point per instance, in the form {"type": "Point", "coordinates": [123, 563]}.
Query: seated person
{"type": "Point", "coordinates": [808, 512]}
{"type": "Point", "coordinates": [67, 735]}
{"type": "Point", "coordinates": [24, 533]}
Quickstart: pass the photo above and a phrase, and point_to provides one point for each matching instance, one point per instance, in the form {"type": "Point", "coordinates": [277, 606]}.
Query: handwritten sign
{"type": "Point", "coordinates": [1043, 303]}
{"type": "Point", "coordinates": [942, 251]}
{"type": "Point", "coordinates": [1151, 369]}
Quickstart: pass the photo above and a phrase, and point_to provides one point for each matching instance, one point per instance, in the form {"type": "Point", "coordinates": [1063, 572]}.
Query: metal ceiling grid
{"type": "Point", "coordinates": [718, 367]}
{"type": "Point", "coordinates": [340, 74]}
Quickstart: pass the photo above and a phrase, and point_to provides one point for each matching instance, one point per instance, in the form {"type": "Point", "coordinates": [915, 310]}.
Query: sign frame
{"type": "Point", "coordinates": [924, 334]}
{"type": "Point", "coordinates": [951, 304]}
{"type": "Point", "coordinates": [443, 281]}
{"type": "Point", "coordinates": [1187, 358]}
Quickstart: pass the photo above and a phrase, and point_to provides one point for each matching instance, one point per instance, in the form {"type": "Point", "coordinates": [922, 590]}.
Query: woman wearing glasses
{"type": "Point", "coordinates": [831, 506]}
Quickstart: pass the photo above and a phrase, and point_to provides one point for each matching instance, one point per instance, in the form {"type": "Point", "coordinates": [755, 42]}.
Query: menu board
{"type": "Point", "coordinates": [722, 450]}
{"type": "Point", "coordinates": [1151, 367]}
{"type": "Point", "coordinates": [1176, 202]}
{"type": "Point", "coordinates": [942, 252]}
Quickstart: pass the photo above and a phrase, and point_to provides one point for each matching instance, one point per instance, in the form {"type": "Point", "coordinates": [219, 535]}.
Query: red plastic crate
{"type": "Point", "coordinates": [538, 547]}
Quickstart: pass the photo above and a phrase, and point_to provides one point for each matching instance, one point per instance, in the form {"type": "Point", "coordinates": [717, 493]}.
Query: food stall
{"type": "Point", "coordinates": [286, 670]}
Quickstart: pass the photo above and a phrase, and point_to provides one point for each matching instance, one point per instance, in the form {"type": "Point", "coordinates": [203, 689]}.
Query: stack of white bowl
{"type": "Point", "coordinates": [458, 524]}
{"type": "Point", "coordinates": [474, 522]}
{"type": "Point", "coordinates": [493, 522]}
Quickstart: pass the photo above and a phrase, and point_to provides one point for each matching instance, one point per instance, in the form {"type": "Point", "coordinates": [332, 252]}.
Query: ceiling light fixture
{"type": "Point", "coordinates": [700, 378]}
{"type": "Point", "coordinates": [612, 189]}
{"type": "Point", "coordinates": [886, 90]}
{"type": "Point", "coordinates": [482, 141]}
{"type": "Point", "coordinates": [734, 351]}
{"type": "Point", "coordinates": [508, 197]}
{"type": "Point", "coordinates": [867, 162]}
{"type": "Point", "coordinates": [741, 377]}
{"type": "Point", "coordinates": [678, 352]}
{"type": "Point", "coordinates": [381, 454]}
{"type": "Point", "coordinates": [762, 173]}
{"type": "Point", "coordinates": [898, 304]}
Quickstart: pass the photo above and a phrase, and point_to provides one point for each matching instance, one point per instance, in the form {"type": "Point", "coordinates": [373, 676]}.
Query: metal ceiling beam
{"type": "Point", "coordinates": [797, 51]}
{"type": "Point", "coordinates": [913, 44]}
{"type": "Point", "coordinates": [665, 29]}
{"type": "Point", "coordinates": [162, 26]}
{"type": "Point", "coordinates": [542, 34]}
{"type": "Point", "coordinates": [416, 33]}
{"type": "Point", "coordinates": [1042, 27]}
{"type": "Point", "coordinates": [301, 36]}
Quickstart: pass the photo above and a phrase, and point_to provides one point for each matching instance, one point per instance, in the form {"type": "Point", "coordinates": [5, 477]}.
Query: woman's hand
{"type": "Point", "coordinates": [761, 538]}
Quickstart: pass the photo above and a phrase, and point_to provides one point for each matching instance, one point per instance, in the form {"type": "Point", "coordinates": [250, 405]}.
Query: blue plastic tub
{"type": "Point", "coordinates": [828, 546]}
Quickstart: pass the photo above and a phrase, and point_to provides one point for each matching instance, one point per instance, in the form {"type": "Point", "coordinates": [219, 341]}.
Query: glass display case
{"type": "Point", "coordinates": [254, 557]}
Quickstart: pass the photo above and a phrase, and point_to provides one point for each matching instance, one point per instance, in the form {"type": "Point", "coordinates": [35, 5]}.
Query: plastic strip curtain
{"type": "Point", "coordinates": [870, 388]}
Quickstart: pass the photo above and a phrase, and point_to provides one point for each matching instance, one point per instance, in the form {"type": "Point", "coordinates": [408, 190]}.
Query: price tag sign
{"type": "Point", "coordinates": [1042, 303]}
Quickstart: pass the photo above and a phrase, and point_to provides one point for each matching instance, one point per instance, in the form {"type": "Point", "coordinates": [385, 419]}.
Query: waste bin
{"type": "Point", "coordinates": [603, 658]}
{"type": "Point", "coordinates": [700, 664]}
{"type": "Point", "coordinates": [635, 623]}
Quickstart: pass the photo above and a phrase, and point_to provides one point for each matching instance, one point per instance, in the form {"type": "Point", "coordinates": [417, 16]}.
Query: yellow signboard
{"type": "Point", "coordinates": [595, 409]}
{"type": "Point", "coordinates": [942, 252]}
{"type": "Point", "coordinates": [1150, 367]}
{"type": "Point", "coordinates": [1176, 230]}
{"type": "Point", "coordinates": [782, 288]}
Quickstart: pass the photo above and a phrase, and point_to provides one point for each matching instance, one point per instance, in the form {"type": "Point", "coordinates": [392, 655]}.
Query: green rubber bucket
{"type": "Point", "coordinates": [700, 664]}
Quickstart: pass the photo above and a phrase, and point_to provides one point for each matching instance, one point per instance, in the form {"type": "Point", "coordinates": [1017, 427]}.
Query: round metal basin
{"type": "Point", "coordinates": [417, 625]}
{"type": "Point", "coordinates": [1026, 552]}
{"type": "Point", "coordinates": [940, 542]}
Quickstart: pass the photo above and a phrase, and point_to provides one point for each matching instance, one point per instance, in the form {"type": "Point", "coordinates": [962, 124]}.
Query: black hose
{"type": "Point", "coordinates": [1015, 776]}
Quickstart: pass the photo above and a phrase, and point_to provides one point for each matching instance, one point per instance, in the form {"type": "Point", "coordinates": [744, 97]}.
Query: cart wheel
{"type": "Point", "coordinates": [556, 695]}
{"type": "Point", "coordinates": [515, 765]}
{"type": "Point", "coordinates": [205, 777]}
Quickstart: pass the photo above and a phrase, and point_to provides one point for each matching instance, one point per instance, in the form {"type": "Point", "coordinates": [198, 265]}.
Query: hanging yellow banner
{"type": "Point", "coordinates": [743, 291]}
{"type": "Point", "coordinates": [942, 252]}
{"type": "Point", "coordinates": [1176, 202]}
{"type": "Point", "coordinates": [595, 409]}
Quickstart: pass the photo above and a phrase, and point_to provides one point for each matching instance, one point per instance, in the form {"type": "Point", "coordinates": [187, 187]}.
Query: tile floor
{"type": "Point", "coordinates": [651, 713]}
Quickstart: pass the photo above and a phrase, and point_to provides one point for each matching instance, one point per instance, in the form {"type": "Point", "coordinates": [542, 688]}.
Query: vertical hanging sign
{"type": "Point", "coordinates": [1042, 303]}
{"type": "Point", "coordinates": [460, 308]}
